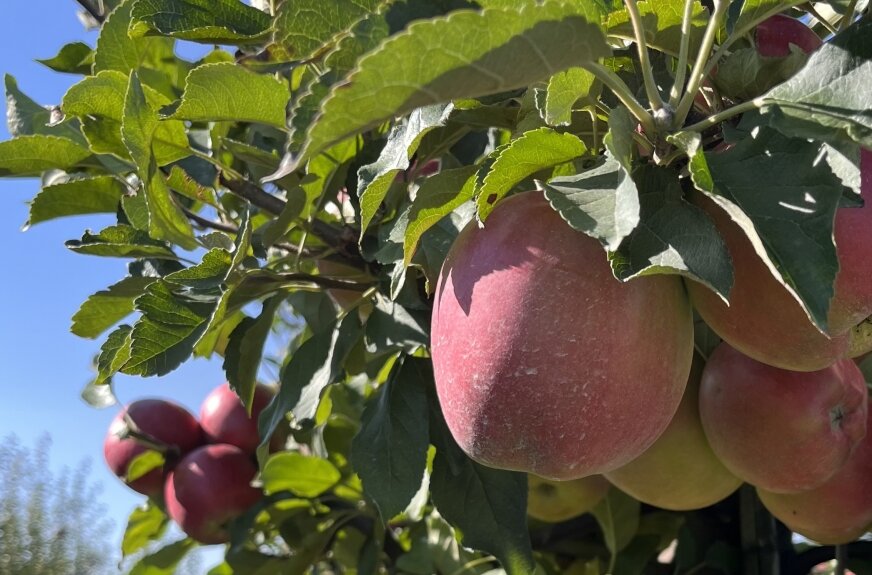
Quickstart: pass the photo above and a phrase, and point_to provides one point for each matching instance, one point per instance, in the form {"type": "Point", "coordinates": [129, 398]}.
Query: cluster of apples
{"type": "Point", "coordinates": [205, 477]}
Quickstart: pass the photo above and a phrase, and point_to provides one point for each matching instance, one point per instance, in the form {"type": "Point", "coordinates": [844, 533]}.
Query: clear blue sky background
{"type": "Point", "coordinates": [42, 365]}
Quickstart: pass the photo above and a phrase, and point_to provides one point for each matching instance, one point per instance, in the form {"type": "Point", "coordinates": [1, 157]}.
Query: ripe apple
{"type": "Point", "coordinates": [224, 419]}
{"type": "Point", "coordinates": [838, 511]}
{"type": "Point", "coordinates": [779, 430]}
{"type": "Point", "coordinates": [773, 36]}
{"type": "Point", "coordinates": [556, 501]}
{"type": "Point", "coordinates": [208, 488]}
{"type": "Point", "coordinates": [543, 361]}
{"type": "Point", "coordinates": [680, 471]}
{"type": "Point", "coordinates": [164, 421]}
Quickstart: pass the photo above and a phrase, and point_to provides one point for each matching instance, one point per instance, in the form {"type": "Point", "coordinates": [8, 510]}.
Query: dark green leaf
{"type": "Point", "coordinates": [209, 274]}
{"type": "Point", "coordinates": [302, 475]}
{"type": "Point", "coordinates": [392, 326]}
{"type": "Point", "coordinates": [303, 27]}
{"type": "Point", "coordinates": [389, 452]}
{"type": "Point", "coordinates": [146, 523]}
{"type": "Point", "coordinates": [114, 353]}
{"type": "Point", "coordinates": [470, 54]}
{"type": "Point", "coordinates": [245, 350]}
{"type": "Point", "coordinates": [618, 516]}
{"type": "Point", "coordinates": [121, 242]}
{"type": "Point", "coordinates": [107, 307]}
{"type": "Point", "coordinates": [164, 560]}
{"type": "Point", "coordinates": [86, 196]}
{"type": "Point", "coordinates": [74, 58]}
{"type": "Point", "coordinates": [32, 155]}
{"type": "Point", "coordinates": [207, 21]}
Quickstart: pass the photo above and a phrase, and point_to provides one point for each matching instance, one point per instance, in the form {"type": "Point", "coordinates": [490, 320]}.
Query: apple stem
{"type": "Point", "coordinates": [624, 94]}
{"type": "Point", "coordinates": [841, 559]}
{"type": "Point", "coordinates": [715, 119]}
{"type": "Point", "coordinates": [697, 75]}
{"type": "Point", "coordinates": [681, 71]}
{"type": "Point", "coordinates": [647, 72]}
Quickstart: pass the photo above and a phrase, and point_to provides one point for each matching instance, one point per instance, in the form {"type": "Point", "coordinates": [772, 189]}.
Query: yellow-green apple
{"type": "Point", "coordinates": [224, 418]}
{"type": "Point", "coordinates": [680, 471]}
{"type": "Point", "coordinates": [556, 501]}
{"type": "Point", "coordinates": [836, 512]}
{"type": "Point", "coordinates": [779, 430]}
{"type": "Point", "coordinates": [162, 421]}
{"type": "Point", "coordinates": [543, 361]}
{"type": "Point", "coordinates": [210, 487]}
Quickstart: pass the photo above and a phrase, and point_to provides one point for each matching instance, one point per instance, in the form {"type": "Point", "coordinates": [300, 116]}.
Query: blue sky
{"type": "Point", "coordinates": [42, 365]}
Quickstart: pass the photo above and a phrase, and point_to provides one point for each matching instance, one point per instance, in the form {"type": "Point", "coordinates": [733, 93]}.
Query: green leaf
{"type": "Point", "coordinates": [165, 560]}
{"type": "Point", "coordinates": [745, 74]}
{"type": "Point", "coordinates": [180, 181]}
{"type": "Point", "coordinates": [73, 58]}
{"type": "Point", "coordinates": [116, 50]}
{"type": "Point", "coordinates": [575, 87]}
{"type": "Point", "coordinates": [393, 326]}
{"type": "Point", "coordinates": [244, 96]}
{"type": "Point", "coordinates": [302, 475]}
{"type": "Point", "coordinates": [164, 337]}
{"type": "Point", "coordinates": [146, 523]}
{"type": "Point", "coordinates": [470, 54]}
{"type": "Point", "coordinates": [374, 180]}
{"type": "Point", "coordinates": [487, 506]}
{"type": "Point", "coordinates": [618, 517]}
{"type": "Point", "coordinates": [662, 22]}
{"type": "Point", "coordinates": [829, 99]}
{"type": "Point", "coordinates": [114, 353]}
{"type": "Point", "coordinates": [86, 196]}
{"type": "Point", "coordinates": [209, 274]}
{"type": "Point", "coordinates": [791, 225]}
{"type": "Point", "coordinates": [244, 351]}
{"type": "Point", "coordinates": [755, 11]}
{"type": "Point", "coordinates": [98, 395]}
{"type": "Point", "coordinates": [389, 453]}
{"type": "Point", "coordinates": [303, 27]}
{"type": "Point", "coordinates": [24, 117]}
{"type": "Point", "coordinates": [531, 153]}
{"type": "Point", "coordinates": [107, 307]}
{"type": "Point", "coordinates": [438, 196]}
{"type": "Point", "coordinates": [673, 236]}
{"type": "Point", "coordinates": [121, 242]}
{"type": "Point", "coordinates": [315, 365]}
{"type": "Point", "coordinates": [32, 155]}
{"type": "Point", "coordinates": [206, 21]}
{"type": "Point", "coordinates": [143, 463]}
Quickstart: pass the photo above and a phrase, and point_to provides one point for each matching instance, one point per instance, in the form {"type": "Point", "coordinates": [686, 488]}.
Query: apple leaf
{"type": "Point", "coordinates": [393, 326]}
{"type": "Point", "coordinates": [206, 21]}
{"type": "Point", "coordinates": [209, 274]}
{"type": "Point", "coordinates": [438, 196]}
{"type": "Point", "coordinates": [146, 523]}
{"type": "Point", "coordinates": [165, 334]}
{"type": "Point", "coordinates": [98, 395]}
{"type": "Point", "coordinates": [618, 517]}
{"type": "Point", "coordinates": [24, 117]}
{"type": "Point", "coordinates": [531, 153]}
{"type": "Point", "coordinates": [117, 50]}
{"type": "Point", "coordinates": [244, 351]}
{"type": "Point", "coordinates": [107, 307]}
{"type": "Point", "coordinates": [303, 27]}
{"type": "Point", "coordinates": [662, 22]}
{"type": "Point", "coordinates": [389, 453]}
{"type": "Point", "coordinates": [73, 58]}
{"type": "Point", "coordinates": [31, 155]}
{"type": "Point", "coordinates": [566, 90]}
{"type": "Point", "coordinates": [672, 236]}
{"type": "Point", "coordinates": [829, 99]}
{"type": "Point", "coordinates": [469, 53]}
{"type": "Point", "coordinates": [165, 560]}
{"type": "Point", "coordinates": [791, 225]}
{"type": "Point", "coordinates": [487, 506]}
{"type": "Point", "coordinates": [374, 180]}
{"type": "Point", "coordinates": [745, 74]}
{"type": "Point", "coordinates": [143, 463]}
{"type": "Point", "coordinates": [244, 96]}
{"type": "Point", "coordinates": [114, 353]}
{"type": "Point", "coordinates": [755, 11]}
{"type": "Point", "coordinates": [100, 194]}
{"type": "Point", "coordinates": [302, 475]}
{"type": "Point", "coordinates": [120, 241]}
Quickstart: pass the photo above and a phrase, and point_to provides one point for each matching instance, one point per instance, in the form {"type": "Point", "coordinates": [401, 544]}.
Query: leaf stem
{"type": "Point", "coordinates": [725, 114]}
{"type": "Point", "coordinates": [681, 71]}
{"type": "Point", "coordinates": [697, 74]}
{"type": "Point", "coordinates": [624, 94]}
{"type": "Point", "coordinates": [647, 72]}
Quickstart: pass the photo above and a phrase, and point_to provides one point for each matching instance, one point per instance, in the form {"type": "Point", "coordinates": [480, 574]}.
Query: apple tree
{"type": "Point", "coordinates": [482, 241]}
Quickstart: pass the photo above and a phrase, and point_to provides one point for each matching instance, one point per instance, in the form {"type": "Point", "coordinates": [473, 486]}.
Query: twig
{"type": "Point", "coordinates": [207, 223]}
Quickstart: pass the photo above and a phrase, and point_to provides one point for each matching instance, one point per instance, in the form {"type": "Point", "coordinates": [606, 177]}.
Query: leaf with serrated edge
{"type": "Point", "coordinates": [31, 155]}
{"type": "Point", "coordinates": [107, 307]}
{"type": "Point", "coordinates": [565, 91]}
{"type": "Point", "coordinates": [73, 58]}
{"type": "Point", "coordinates": [302, 475]}
{"type": "Point", "coordinates": [146, 523]}
{"type": "Point", "coordinates": [74, 197]}
{"type": "Point", "coordinates": [245, 350]}
{"type": "Point", "coordinates": [114, 353]}
{"type": "Point", "coordinates": [116, 50]}
{"type": "Point", "coordinates": [210, 273]}
{"type": "Point", "coordinates": [121, 241]}
{"type": "Point", "coordinates": [24, 117]}
{"type": "Point", "coordinates": [390, 450]}
{"type": "Point", "coordinates": [303, 27]}
{"type": "Point", "coordinates": [244, 96]}
{"type": "Point", "coordinates": [164, 560]}
{"type": "Point", "coordinates": [529, 154]}
{"type": "Point", "coordinates": [468, 54]}
{"type": "Point", "coordinates": [207, 21]}
{"type": "Point", "coordinates": [662, 22]}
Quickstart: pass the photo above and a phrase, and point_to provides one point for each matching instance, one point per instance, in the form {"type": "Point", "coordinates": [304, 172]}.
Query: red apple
{"type": "Point", "coordinates": [680, 471]}
{"type": "Point", "coordinates": [774, 36]}
{"type": "Point", "coordinates": [837, 512]}
{"type": "Point", "coordinates": [225, 420]}
{"type": "Point", "coordinates": [164, 421]}
{"type": "Point", "coordinates": [780, 430]}
{"type": "Point", "coordinates": [544, 362]}
{"type": "Point", "coordinates": [208, 488]}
